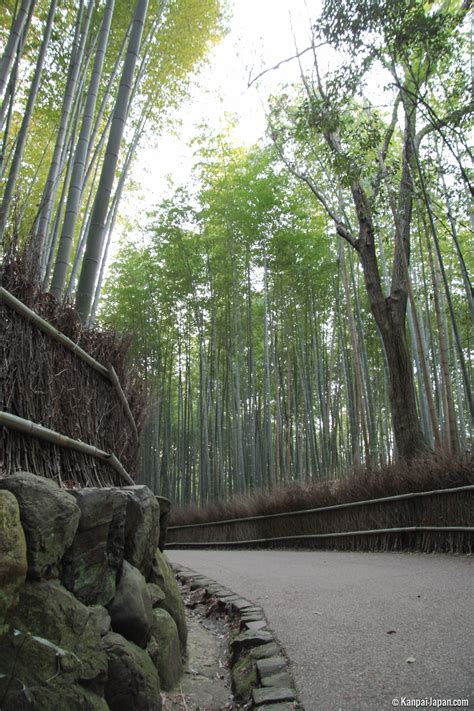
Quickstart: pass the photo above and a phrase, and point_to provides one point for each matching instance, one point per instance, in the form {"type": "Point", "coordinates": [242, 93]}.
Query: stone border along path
{"type": "Point", "coordinates": [256, 661]}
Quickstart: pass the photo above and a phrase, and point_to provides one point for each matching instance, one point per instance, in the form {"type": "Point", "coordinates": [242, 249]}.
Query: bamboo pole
{"type": "Point", "coordinates": [351, 504]}
{"type": "Point", "coordinates": [376, 531]}
{"type": "Point", "coordinates": [33, 430]}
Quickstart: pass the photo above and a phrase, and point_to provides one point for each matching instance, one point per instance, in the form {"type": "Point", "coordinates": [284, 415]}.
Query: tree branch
{"type": "Point", "coordinates": [341, 229]}
{"type": "Point", "coordinates": [438, 123]}
{"type": "Point", "coordinates": [384, 150]}
{"type": "Point", "coordinates": [278, 65]}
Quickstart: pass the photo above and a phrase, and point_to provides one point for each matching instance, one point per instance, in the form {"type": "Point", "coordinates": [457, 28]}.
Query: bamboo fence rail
{"type": "Point", "coordinates": [53, 332]}
{"type": "Point", "coordinates": [31, 429]}
{"type": "Point", "coordinates": [350, 504]}
{"type": "Point", "coordinates": [439, 519]}
{"type": "Point", "coordinates": [314, 536]}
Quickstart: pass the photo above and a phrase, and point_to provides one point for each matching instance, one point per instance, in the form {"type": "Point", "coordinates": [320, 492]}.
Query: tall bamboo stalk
{"type": "Point", "coordinates": [91, 261]}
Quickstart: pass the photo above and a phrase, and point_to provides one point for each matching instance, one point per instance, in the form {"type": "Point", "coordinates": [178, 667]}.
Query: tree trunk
{"type": "Point", "coordinates": [408, 435]}
{"type": "Point", "coordinates": [389, 314]}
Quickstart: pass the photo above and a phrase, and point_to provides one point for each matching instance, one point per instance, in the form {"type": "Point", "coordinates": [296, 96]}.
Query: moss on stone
{"type": "Point", "coordinates": [244, 678]}
{"type": "Point", "coordinates": [164, 649]}
{"type": "Point", "coordinates": [53, 650]}
{"type": "Point", "coordinates": [49, 517]}
{"type": "Point", "coordinates": [162, 574]}
{"type": "Point", "coordinates": [133, 681]}
{"type": "Point", "coordinates": [13, 565]}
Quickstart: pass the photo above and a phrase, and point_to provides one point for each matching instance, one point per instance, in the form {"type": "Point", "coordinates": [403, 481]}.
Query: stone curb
{"type": "Point", "coordinates": [271, 685]}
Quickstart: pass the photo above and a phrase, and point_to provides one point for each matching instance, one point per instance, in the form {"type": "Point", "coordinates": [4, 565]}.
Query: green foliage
{"type": "Point", "coordinates": [189, 30]}
{"type": "Point", "coordinates": [245, 250]}
{"type": "Point", "coordinates": [176, 40]}
{"type": "Point", "coordinates": [401, 28]}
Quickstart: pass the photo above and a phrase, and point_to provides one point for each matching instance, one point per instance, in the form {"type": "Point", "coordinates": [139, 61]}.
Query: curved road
{"type": "Point", "coordinates": [350, 621]}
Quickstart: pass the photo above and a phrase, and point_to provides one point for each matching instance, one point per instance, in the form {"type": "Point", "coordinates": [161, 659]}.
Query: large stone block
{"type": "Point", "coordinates": [87, 571]}
{"type": "Point", "coordinates": [13, 565]}
{"type": "Point", "coordinates": [165, 512]}
{"type": "Point", "coordinates": [142, 527]}
{"type": "Point", "coordinates": [101, 618]}
{"type": "Point", "coordinates": [72, 698]}
{"type": "Point", "coordinates": [248, 640]}
{"type": "Point", "coordinates": [49, 517]}
{"type": "Point", "coordinates": [156, 594]}
{"type": "Point", "coordinates": [52, 657]}
{"type": "Point", "coordinates": [116, 540]}
{"type": "Point", "coordinates": [130, 610]}
{"type": "Point", "coordinates": [244, 678]}
{"type": "Point", "coordinates": [162, 575]}
{"type": "Point", "coordinates": [164, 649]}
{"type": "Point", "coordinates": [269, 694]}
{"type": "Point", "coordinates": [133, 681]}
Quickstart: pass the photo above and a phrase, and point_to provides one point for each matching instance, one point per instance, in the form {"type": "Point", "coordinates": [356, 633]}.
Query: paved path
{"type": "Point", "coordinates": [333, 611]}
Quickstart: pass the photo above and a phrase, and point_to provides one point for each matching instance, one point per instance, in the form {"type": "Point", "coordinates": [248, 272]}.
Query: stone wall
{"type": "Point", "coordinates": [90, 613]}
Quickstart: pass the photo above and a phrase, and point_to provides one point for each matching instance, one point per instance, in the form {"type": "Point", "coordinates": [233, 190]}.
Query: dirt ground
{"type": "Point", "coordinates": [205, 685]}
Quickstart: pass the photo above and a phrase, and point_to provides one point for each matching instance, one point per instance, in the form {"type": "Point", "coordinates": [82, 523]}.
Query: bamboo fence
{"type": "Point", "coordinates": [25, 427]}
{"type": "Point", "coordinates": [426, 520]}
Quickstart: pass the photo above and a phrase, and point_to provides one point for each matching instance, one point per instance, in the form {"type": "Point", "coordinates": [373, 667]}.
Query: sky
{"type": "Point", "coordinates": [261, 34]}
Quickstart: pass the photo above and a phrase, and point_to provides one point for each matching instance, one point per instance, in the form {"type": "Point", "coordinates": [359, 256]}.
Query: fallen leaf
{"type": "Point", "coordinates": [391, 631]}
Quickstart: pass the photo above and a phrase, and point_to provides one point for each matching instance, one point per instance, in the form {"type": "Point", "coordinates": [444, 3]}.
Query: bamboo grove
{"type": "Point", "coordinates": [257, 343]}
{"type": "Point", "coordinates": [82, 83]}
{"type": "Point", "coordinates": [305, 306]}
{"type": "Point", "coordinates": [301, 307]}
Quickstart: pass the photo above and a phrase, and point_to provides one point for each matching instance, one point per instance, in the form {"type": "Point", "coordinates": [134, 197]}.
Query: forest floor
{"type": "Point", "coordinates": [205, 685]}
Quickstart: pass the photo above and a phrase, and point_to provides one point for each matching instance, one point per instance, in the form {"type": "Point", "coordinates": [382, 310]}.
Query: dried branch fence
{"type": "Point", "coordinates": [439, 520]}
{"type": "Point", "coordinates": [47, 376]}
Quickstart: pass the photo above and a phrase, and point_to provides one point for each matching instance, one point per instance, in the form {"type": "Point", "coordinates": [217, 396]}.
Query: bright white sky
{"type": "Point", "coordinates": [260, 35]}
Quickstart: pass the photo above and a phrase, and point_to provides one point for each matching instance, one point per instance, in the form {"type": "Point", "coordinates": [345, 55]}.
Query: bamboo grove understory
{"type": "Point", "coordinates": [300, 307]}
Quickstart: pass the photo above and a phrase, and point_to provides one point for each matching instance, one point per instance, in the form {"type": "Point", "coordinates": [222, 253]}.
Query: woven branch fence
{"type": "Point", "coordinates": [64, 414]}
{"type": "Point", "coordinates": [440, 520]}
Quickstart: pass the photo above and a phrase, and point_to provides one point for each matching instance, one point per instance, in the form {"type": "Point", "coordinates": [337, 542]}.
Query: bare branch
{"type": "Point", "coordinates": [385, 146]}
{"type": "Point", "coordinates": [278, 65]}
{"type": "Point", "coordinates": [436, 123]}
{"type": "Point", "coordinates": [341, 229]}
{"type": "Point", "coordinates": [318, 75]}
